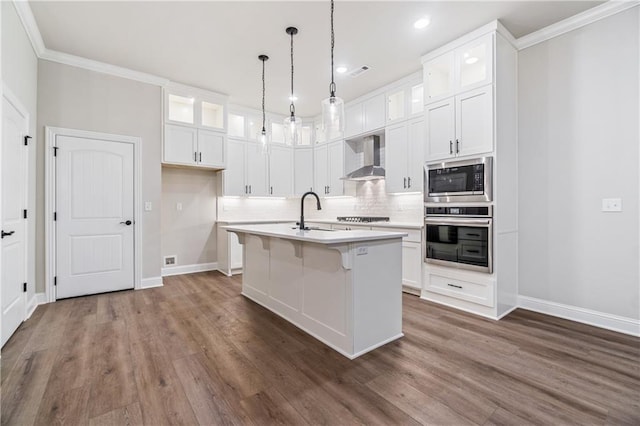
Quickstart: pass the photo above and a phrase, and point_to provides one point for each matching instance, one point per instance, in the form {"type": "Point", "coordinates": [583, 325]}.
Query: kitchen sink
{"type": "Point", "coordinates": [315, 228]}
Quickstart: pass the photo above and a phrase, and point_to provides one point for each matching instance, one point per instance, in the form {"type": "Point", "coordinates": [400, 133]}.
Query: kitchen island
{"type": "Point", "coordinates": [342, 287]}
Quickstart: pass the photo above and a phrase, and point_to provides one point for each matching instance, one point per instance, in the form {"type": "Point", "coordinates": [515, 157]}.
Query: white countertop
{"type": "Point", "coordinates": [288, 231]}
{"type": "Point", "coordinates": [404, 225]}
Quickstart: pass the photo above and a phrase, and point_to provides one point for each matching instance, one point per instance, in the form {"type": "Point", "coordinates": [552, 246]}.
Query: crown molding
{"type": "Point", "coordinates": [30, 26]}
{"type": "Point", "coordinates": [587, 17]}
{"type": "Point", "coordinates": [102, 67]}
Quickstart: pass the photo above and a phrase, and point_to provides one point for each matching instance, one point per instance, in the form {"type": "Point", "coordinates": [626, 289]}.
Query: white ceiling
{"type": "Point", "coordinates": [215, 45]}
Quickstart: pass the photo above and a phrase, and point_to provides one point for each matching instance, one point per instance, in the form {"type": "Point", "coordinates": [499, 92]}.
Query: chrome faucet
{"type": "Point", "coordinates": [302, 228]}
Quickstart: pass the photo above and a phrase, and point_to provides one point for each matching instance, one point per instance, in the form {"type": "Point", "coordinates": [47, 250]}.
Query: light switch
{"type": "Point", "coordinates": [147, 206]}
{"type": "Point", "coordinates": [612, 204]}
{"type": "Point", "coordinates": [179, 206]}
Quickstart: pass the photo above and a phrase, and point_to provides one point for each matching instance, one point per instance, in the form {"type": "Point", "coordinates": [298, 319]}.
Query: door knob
{"type": "Point", "coordinates": [6, 234]}
{"type": "Point", "coordinates": [128, 222]}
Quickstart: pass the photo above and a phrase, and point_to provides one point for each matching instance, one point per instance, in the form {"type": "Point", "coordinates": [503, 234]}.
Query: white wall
{"type": "Point", "coordinates": [190, 233]}
{"type": "Point", "coordinates": [578, 143]}
{"type": "Point", "coordinates": [20, 74]}
{"type": "Point", "coordinates": [77, 98]}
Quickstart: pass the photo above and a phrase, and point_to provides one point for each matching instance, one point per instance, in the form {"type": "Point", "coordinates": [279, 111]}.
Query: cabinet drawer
{"type": "Point", "coordinates": [480, 293]}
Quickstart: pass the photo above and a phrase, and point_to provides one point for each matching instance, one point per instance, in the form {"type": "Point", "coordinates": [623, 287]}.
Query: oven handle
{"type": "Point", "coordinates": [456, 221]}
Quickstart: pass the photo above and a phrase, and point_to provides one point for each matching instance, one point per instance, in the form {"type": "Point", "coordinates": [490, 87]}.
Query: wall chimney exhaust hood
{"type": "Point", "coordinates": [371, 169]}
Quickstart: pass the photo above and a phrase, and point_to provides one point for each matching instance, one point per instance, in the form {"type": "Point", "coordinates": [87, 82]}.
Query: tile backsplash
{"type": "Point", "coordinates": [370, 200]}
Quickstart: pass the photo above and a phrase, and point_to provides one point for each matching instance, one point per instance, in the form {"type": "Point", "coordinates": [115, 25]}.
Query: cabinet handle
{"type": "Point", "coordinates": [457, 146]}
{"type": "Point", "coordinates": [246, 189]}
{"type": "Point", "coordinates": [200, 155]}
{"type": "Point", "coordinates": [195, 157]}
{"type": "Point", "coordinates": [271, 190]}
{"type": "Point", "coordinates": [405, 182]}
{"type": "Point", "coordinates": [328, 189]}
{"type": "Point", "coordinates": [450, 147]}
{"type": "Point", "coordinates": [249, 189]}
{"type": "Point", "coordinates": [453, 285]}
{"type": "Point", "coordinates": [409, 182]}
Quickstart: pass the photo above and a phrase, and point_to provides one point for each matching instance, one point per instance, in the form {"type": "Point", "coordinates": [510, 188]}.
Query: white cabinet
{"type": "Point", "coordinates": [404, 156]}
{"type": "Point", "coordinates": [461, 125]}
{"type": "Point", "coordinates": [412, 265]}
{"type": "Point", "coordinates": [229, 251]}
{"type": "Point", "coordinates": [281, 171]}
{"type": "Point", "coordinates": [302, 170]}
{"type": "Point", "coordinates": [365, 116]}
{"type": "Point", "coordinates": [189, 146]}
{"type": "Point", "coordinates": [234, 175]}
{"type": "Point", "coordinates": [467, 67]}
{"type": "Point", "coordinates": [404, 102]}
{"type": "Point", "coordinates": [328, 167]}
{"type": "Point", "coordinates": [257, 168]}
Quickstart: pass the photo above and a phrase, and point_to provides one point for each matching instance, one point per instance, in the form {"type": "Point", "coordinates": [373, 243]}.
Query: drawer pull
{"type": "Point", "coordinates": [473, 251]}
{"type": "Point", "coordinates": [453, 285]}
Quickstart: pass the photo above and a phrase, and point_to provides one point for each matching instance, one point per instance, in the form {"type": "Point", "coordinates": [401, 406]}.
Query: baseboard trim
{"type": "Point", "coordinates": [582, 315]}
{"type": "Point", "coordinates": [189, 269]}
{"type": "Point", "coordinates": [36, 299]}
{"type": "Point", "coordinates": [151, 282]}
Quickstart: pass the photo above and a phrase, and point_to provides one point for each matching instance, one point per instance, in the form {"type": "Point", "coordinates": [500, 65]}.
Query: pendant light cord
{"type": "Point", "coordinates": [292, 107]}
{"type": "Point", "coordinates": [263, 93]}
{"type": "Point", "coordinates": [332, 86]}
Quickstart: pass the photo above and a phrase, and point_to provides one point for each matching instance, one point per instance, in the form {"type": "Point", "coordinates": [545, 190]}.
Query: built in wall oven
{"type": "Point", "coordinates": [459, 181]}
{"type": "Point", "coordinates": [459, 237]}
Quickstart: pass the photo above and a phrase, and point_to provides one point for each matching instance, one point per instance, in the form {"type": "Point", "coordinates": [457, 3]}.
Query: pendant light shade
{"type": "Point", "coordinates": [333, 106]}
{"type": "Point", "coordinates": [263, 137]}
{"type": "Point", "coordinates": [291, 123]}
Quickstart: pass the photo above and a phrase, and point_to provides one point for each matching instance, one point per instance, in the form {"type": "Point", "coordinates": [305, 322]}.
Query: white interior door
{"type": "Point", "coordinates": [94, 216]}
{"type": "Point", "coordinates": [14, 201]}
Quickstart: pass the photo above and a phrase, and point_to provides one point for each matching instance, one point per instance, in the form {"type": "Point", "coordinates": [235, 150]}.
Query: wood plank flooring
{"type": "Point", "coordinates": [196, 352]}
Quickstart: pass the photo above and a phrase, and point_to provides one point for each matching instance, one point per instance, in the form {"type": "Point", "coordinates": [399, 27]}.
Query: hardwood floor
{"type": "Point", "coordinates": [196, 352]}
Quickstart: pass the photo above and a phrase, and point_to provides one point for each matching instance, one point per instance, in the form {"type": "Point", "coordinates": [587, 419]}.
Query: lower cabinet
{"type": "Point", "coordinates": [412, 265]}
{"type": "Point", "coordinates": [229, 251]}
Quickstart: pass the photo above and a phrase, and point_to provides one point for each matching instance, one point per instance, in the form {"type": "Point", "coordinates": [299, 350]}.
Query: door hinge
{"type": "Point", "coordinates": [24, 287]}
{"type": "Point", "coordinates": [55, 216]}
{"type": "Point", "coordinates": [55, 281]}
{"type": "Point", "coordinates": [55, 151]}
{"type": "Point", "coordinates": [26, 140]}
{"type": "Point", "coordinates": [24, 213]}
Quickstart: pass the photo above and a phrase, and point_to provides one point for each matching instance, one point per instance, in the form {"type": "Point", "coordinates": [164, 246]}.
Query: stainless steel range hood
{"type": "Point", "coordinates": [371, 169]}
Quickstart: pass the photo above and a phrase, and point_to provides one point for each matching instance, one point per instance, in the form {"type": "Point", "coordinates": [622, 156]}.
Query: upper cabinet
{"type": "Point", "coordinates": [405, 102]}
{"type": "Point", "coordinates": [195, 127]}
{"type": "Point", "coordinates": [464, 68]}
{"type": "Point", "coordinates": [365, 116]}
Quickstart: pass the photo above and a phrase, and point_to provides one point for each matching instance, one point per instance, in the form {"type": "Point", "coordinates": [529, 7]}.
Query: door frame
{"type": "Point", "coordinates": [51, 133]}
{"type": "Point", "coordinates": [8, 95]}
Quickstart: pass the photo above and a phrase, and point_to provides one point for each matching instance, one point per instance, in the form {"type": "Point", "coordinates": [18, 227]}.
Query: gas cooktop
{"type": "Point", "coordinates": [363, 219]}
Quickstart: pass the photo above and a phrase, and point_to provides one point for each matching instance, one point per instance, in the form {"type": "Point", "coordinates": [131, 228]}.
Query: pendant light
{"type": "Point", "coordinates": [332, 107]}
{"type": "Point", "coordinates": [291, 125]}
{"type": "Point", "coordinates": [263, 137]}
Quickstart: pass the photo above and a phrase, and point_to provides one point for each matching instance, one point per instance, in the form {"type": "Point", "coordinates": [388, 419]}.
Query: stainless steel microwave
{"type": "Point", "coordinates": [459, 181]}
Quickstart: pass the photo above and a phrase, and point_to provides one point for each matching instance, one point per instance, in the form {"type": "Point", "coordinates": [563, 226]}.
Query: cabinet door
{"type": "Point", "coordinates": [353, 120]}
{"type": "Point", "coordinates": [211, 148]}
{"type": "Point", "coordinates": [281, 171]}
{"type": "Point", "coordinates": [412, 265]}
{"type": "Point", "coordinates": [257, 171]}
{"type": "Point", "coordinates": [439, 121]}
{"type": "Point", "coordinates": [415, 154]}
{"type": "Point", "coordinates": [336, 168]}
{"type": "Point", "coordinates": [233, 176]}
{"type": "Point", "coordinates": [396, 146]}
{"type": "Point", "coordinates": [303, 170]}
{"type": "Point", "coordinates": [474, 122]}
{"type": "Point", "coordinates": [438, 78]}
{"type": "Point", "coordinates": [374, 112]}
{"type": "Point", "coordinates": [396, 105]}
{"type": "Point", "coordinates": [474, 64]}
{"type": "Point", "coordinates": [321, 169]}
{"type": "Point", "coordinates": [180, 145]}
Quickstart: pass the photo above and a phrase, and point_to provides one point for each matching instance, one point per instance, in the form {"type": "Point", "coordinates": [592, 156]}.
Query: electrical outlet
{"type": "Point", "coordinates": [179, 206]}
{"type": "Point", "coordinates": [362, 250]}
{"type": "Point", "coordinates": [612, 204]}
{"type": "Point", "coordinates": [147, 206]}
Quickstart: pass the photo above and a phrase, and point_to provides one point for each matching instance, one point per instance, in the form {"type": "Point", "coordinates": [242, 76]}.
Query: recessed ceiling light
{"type": "Point", "coordinates": [341, 70]}
{"type": "Point", "coordinates": [471, 60]}
{"type": "Point", "coordinates": [422, 23]}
